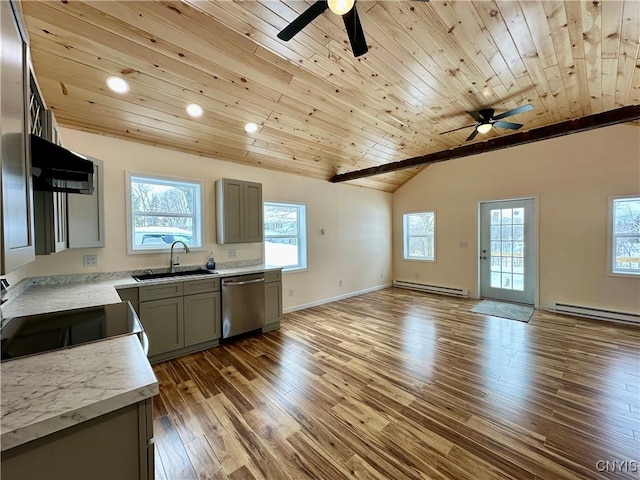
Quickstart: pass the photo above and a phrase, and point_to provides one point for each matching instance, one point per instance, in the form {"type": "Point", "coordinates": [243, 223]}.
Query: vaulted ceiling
{"type": "Point", "coordinates": [321, 111]}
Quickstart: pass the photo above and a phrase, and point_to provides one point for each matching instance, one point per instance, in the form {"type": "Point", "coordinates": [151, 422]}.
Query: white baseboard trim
{"type": "Point", "coordinates": [334, 299]}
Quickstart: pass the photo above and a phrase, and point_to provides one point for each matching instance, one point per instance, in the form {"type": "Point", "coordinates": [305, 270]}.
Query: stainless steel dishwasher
{"type": "Point", "coordinates": [242, 304]}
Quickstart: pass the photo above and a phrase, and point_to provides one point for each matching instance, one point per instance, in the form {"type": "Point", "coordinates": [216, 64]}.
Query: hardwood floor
{"type": "Point", "coordinates": [398, 385]}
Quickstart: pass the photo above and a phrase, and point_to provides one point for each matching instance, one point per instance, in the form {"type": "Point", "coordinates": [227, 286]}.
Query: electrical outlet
{"type": "Point", "coordinates": [90, 260]}
{"type": "Point", "coordinates": [340, 283]}
{"type": "Point", "coordinates": [417, 275]}
{"type": "Point", "coordinates": [381, 275]}
{"type": "Point", "coordinates": [232, 253]}
{"type": "Point", "coordinates": [291, 292]}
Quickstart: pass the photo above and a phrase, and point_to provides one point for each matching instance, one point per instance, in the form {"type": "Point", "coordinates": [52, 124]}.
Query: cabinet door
{"type": "Point", "coordinates": [253, 212]}
{"type": "Point", "coordinates": [163, 322]}
{"type": "Point", "coordinates": [202, 318]}
{"type": "Point", "coordinates": [17, 236]}
{"type": "Point", "coordinates": [273, 302]}
{"type": "Point", "coordinates": [86, 213]}
{"type": "Point", "coordinates": [131, 295]}
{"type": "Point", "coordinates": [229, 211]}
{"type": "Point", "coordinates": [51, 222]}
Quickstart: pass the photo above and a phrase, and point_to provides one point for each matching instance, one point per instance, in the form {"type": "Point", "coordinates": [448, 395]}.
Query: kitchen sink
{"type": "Point", "coordinates": [184, 273]}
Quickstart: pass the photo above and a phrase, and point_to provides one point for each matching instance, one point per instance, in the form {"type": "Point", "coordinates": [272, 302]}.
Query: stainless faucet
{"type": "Point", "coordinates": [172, 266]}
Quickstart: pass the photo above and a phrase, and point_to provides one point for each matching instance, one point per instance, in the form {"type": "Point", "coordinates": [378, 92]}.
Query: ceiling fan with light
{"type": "Point", "coordinates": [485, 120]}
{"type": "Point", "coordinates": [346, 8]}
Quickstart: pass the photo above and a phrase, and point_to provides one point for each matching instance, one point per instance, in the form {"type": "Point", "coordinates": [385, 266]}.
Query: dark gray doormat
{"type": "Point", "coordinates": [522, 313]}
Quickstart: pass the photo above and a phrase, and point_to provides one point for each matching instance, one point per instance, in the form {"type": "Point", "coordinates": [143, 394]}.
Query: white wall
{"type": "Point", "coordinates": [356, 248]}
{"type": "Point", "coordinates": [573, 177]}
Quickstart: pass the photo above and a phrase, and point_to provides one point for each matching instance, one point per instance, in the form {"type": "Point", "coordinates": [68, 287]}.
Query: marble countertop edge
{"type": "Point", "coordinates": [51, 425]}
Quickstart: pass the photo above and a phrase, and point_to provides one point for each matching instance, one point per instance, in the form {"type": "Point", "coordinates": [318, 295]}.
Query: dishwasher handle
{"type": "Point", "coordinates": [231, 283]}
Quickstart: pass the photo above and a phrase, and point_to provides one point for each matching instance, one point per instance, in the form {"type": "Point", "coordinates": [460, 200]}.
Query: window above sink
{"type": "Point", "coordinates": [162, 210]}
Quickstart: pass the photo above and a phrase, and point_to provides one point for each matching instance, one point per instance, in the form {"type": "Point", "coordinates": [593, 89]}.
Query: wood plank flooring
{"type": "Point", "coordinates": [399, 385]}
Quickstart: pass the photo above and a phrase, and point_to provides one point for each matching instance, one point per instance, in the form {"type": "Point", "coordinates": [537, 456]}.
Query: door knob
{"type": "Point", "coordinates": [483, 257]}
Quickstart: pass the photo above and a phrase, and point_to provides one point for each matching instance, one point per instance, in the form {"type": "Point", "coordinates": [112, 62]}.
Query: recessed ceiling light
{"type": "Point", "coordinates": [194, 110]}
{"type": "Point", "coordinates": [251, 127]}
{"type": "Point", "coordinates": [117, 84]}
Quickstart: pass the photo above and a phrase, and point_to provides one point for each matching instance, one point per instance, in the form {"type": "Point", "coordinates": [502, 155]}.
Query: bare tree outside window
{"type": "Point", "coordinates": [626, 235]}
{"type": "Point", "coordinates": [164, 211]}
{"type": "Point", "coordinates": [419, 235]}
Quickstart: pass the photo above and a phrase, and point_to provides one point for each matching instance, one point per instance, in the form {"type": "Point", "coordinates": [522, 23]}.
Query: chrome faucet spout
{"type": "Point", "coordinates": [172, 264]}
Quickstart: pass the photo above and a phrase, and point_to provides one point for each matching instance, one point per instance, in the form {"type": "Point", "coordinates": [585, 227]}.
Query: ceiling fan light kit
{"type": "Point", "coordinates": [484, 127]}
{"type": "Point", "coordinates": [350, 17]}
{"type": "Point", "coordinates": [486, 120]}
{"type": "Point", "coordinates": [340, 7]}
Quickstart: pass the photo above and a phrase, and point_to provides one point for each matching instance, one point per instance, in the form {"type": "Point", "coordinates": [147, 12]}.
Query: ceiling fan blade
{"type": "Point", "coordinates": [476, 116]}
{"type": "Point", "coordinates": [305, 18]}
{"type": "Point", "coordinates": [355, 32]}
{"type": "Point", "coordinates": [512, 126]}
{"type": "Point", "coordinates": [515, 111]}
{"type": "Point", "coordinates": [473, 135]}
{"type": "Point", "coordinates": [456, 129]}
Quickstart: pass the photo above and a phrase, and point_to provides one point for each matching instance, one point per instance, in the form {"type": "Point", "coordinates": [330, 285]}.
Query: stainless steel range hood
{"type": "Point", "coordinates": [56, 169]}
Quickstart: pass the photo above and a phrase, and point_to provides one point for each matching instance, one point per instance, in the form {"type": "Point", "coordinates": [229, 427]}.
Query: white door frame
{"type": "Point", "coordinates": [536, 257]}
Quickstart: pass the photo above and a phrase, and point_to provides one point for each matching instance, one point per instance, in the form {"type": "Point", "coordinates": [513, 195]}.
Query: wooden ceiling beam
{"type": "Point", "coordinates": [590, 122]}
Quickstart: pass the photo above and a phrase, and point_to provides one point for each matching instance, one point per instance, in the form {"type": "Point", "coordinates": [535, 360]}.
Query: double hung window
{"type": "Point", "coordinates": [285, 235]}
{"type": "Point", "coordinates": [419, 235]}
{"type": "Point", "coordinates": [625, 235]}
{"type": "Point", "coordinates": [162, 211]}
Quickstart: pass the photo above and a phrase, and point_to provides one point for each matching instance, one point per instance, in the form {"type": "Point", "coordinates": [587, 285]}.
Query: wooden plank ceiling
{"type": "Point", "coordinates": [321, 111]}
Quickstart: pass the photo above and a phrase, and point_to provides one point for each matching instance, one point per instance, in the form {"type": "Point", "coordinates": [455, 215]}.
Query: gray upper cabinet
{"type": "Point", "coordinates": [238, 211]}
{"type": "Point", "coordinates": [17, 239]}
{"type": "Point", "coordinates": [50, 207]}
{"type": "Point", "coordinates": [85, 213]}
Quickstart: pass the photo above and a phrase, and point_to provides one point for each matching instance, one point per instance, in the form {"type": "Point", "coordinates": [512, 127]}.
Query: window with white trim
{"type": "Point", "coordinates": [285, 235]}
{"type": "Point", "coordinates": [161, 211]}
{"type": "Point", "coordinates": [625, 235]}
{"type": "Point", "coordinates": [419, 235]}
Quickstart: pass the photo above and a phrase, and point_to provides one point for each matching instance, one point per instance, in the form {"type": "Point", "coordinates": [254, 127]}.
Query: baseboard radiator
{"type": "Point", "coordinates": [454, 292]}
{"type": "Point", "coordinates": [597, 313]}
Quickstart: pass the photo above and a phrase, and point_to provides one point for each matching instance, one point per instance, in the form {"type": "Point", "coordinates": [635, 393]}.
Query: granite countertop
{"type": "Point", "coordinates": [42, 394]}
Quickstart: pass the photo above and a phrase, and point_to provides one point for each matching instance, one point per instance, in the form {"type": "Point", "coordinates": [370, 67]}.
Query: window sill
{"type": "Point", "coordinates": [624, 274]}
{"type": "Point", "coordinates": [167, 251]}
{"type": "Point", "coordinates": [295, 270]}
{"type": "Point", "coordinates": [419, 260]}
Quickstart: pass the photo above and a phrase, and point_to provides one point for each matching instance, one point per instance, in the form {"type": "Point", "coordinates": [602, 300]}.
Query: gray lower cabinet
{"type": "Point", "coordinates": [178, 317]}
{"type": "Point", "coordinates": [115, 445]}
{"type": "Point", "coordinates": [163, 322]}
{"type": "Point", "coordinates": [273, 300]}
{"type": "Point", "coordinates": [203, 324]}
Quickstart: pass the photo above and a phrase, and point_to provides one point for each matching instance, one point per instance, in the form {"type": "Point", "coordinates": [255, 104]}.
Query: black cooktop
{"type": "Point", "coordinates": [31, 334]}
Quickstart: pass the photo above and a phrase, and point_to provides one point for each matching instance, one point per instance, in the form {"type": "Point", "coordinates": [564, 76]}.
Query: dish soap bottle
{"type": "Point", "coordinates": [211, 264]}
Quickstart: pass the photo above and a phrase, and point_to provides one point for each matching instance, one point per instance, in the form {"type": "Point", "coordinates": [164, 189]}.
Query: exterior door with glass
{"type": "Point", "coordinates": [507, 250]}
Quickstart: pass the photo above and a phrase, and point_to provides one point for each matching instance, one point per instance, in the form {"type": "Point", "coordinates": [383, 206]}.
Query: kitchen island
{"type": "Point", "coordinates": [78, 397]}
{"type": "Point", "coordinates": [61, 410]}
